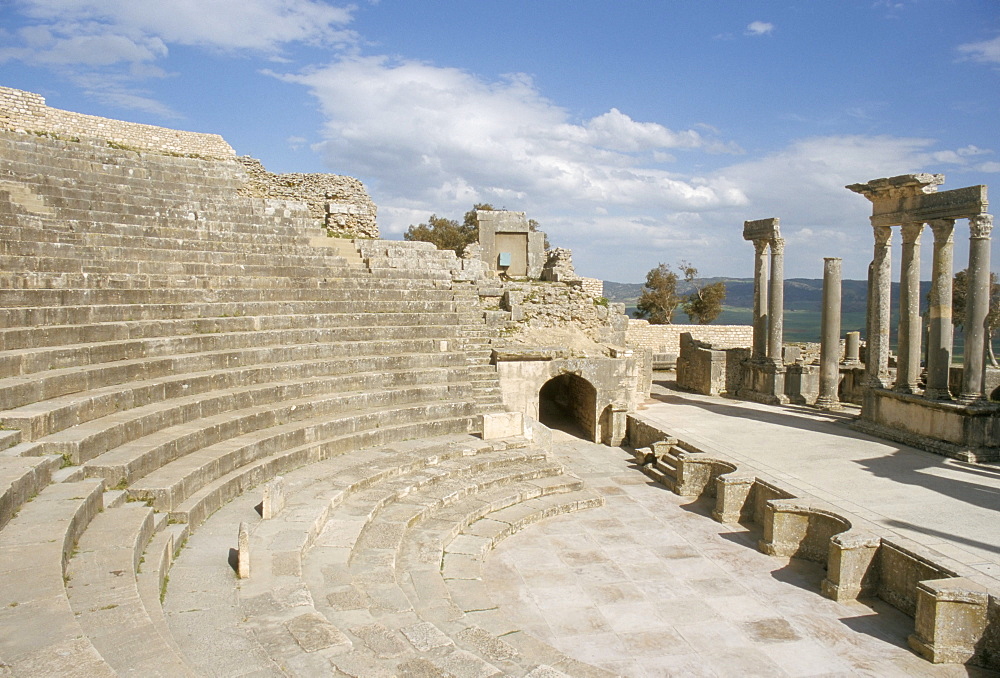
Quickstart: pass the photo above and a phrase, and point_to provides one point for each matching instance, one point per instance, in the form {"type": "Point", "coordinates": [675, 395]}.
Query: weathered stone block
{"type": "Point", "coordinates": [502, 425]}
{"type": "Point", "coordinates": [950, 619]}
{"type": "Point", "coordinates": [243, 553]}
{"type": "Point", "coordinates": [274, 498]}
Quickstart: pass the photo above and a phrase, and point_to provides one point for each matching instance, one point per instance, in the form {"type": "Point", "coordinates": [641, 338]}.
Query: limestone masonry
{"type": "Point", "coordinates": [26, 111]}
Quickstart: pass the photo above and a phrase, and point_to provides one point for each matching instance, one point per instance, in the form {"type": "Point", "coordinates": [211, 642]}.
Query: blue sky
{"type": "Point", "coordinates": [634, 132]}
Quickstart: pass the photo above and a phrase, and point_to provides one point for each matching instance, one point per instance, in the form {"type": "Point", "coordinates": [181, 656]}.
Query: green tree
{"type": "Point", "coordinates": [448, 234]}
{"type": "Point", "coordinates": [959, 292]}
{"type": "Point", "coordinates": [704, 304]}
{"type": "Point", "coordinates": [659, 299]}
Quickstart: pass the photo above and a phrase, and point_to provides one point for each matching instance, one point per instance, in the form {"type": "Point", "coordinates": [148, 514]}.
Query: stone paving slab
{"type": "Point", "coordinates": [945, 504]}
{"type": "Point", "coordinates": [650, 585]}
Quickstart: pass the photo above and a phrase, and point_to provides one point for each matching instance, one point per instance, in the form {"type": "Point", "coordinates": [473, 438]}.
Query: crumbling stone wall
{"type": "Point", "coordinates": [552, 305]}
{"type": "Point", "coordinates": [339, 202]}
{"type": "Point", "coordinates": [22, 111]}
{"type": "Point", "coordinates": [592, 286]}
{"type": "Point", "coordinates": [666, 338]}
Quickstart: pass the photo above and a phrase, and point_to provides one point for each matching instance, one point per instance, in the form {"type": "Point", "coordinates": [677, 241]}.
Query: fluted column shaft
{"type": "Point", "coordinates": [760, 300]}
{"type": "Point", "coordinates": [908, 353]}
{"type": "Point", "coordinates": [877, 320]}
{"type": "Point", "coordinates": [829, 370]}
{"type": "Point", "coordinates": [977, 306]}
{"type": "Point", "coordinates": [940, 330]}
{"type": "Point", "coordinates": [776, 302]}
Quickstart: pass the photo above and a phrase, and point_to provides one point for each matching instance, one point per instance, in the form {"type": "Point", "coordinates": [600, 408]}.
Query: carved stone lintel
{"type": "Point", "coordinates": [980, 226]}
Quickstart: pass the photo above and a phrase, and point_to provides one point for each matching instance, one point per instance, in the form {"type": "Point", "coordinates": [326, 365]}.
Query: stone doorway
{"type": "Point", "coordinates": [569, 403]}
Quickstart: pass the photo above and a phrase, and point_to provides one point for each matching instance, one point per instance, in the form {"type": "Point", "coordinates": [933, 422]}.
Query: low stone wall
{"type": "Point", "coordinates": [339, 202]}
{"type": "Point", "coordinates": [22, 111]}
{"type": "Point", "coordinates": [666, 338]}
{"type": "Point", "coordinates": [955, 608]}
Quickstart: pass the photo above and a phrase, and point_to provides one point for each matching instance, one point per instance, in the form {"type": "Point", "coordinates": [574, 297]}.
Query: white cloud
{"type": "Point", "coordinates": [122, 40]}
{"type": "Point", "coordinates": [987, 52]}
{"type": "Point", "coordinates": [432, 135]}
{"type": "Point", "coordinates": [759, 28]}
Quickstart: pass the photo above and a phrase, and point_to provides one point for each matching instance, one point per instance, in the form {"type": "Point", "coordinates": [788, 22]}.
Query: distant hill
{"type": "Point", "coordinates": [801, 294]}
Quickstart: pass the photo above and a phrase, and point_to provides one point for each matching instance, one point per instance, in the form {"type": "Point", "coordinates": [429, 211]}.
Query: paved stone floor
{"type": "Point", "coordinates": [650, 585]}
{"type": "Point", "coordinates": [948, 505]}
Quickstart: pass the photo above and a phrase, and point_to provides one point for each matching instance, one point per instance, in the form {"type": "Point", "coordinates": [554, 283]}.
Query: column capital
{"type": "Point", "coordinates": [760, 245]}
{"type": "Point", "coordinates": [777, 245]}
{"type": "Point", "coordinates": [912, 232]}
{"type": "Point", "coordinates": [883, 234]}
{"type": "Point", "coordinates": [943, 229]}
{"type": "Point", "coordinates": [980, 226]}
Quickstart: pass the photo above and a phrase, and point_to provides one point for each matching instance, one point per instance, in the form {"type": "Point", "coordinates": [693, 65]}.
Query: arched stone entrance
{"type": "Point", "coordinates": [567, 401]}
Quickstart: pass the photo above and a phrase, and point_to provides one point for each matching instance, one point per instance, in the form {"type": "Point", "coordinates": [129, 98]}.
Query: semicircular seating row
{"type": "Point", "coordinates": [166, 344]}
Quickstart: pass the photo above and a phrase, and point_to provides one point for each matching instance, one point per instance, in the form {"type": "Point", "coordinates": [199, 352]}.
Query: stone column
{"type": "Point", "coordinates": [852, 348]}
{"type": "Point", "coordinates": [776, 301]}
{"type": "Point", "coordinates": [760, 300]}
{"type": "Point", "coordinates": [877, 320]}
{"type": "Point", "coordinates": [908, 362]}
{"type": "Point", "coordinates": [940, 329]}
{"type": "Point", "coordinates": [977, 306]}
{"type": "Point", "coordinates": [829, 370]}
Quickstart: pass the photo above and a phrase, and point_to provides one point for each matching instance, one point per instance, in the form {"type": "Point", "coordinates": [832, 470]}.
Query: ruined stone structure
{"type": "Point", "coordinates": [765, 380]}
{"type": "Point", "coordinates": [187, 356]}
{"type": "Point", "coordinates": [26, 112]}
{"type": "Point", "coordinates": [341, 204]}
{"type": "Point", "coordinates": [666, 339]}
{"type": "Point", "coordinates": [509, 246]}
{"type": "Point", "coordinates": [969, 426]}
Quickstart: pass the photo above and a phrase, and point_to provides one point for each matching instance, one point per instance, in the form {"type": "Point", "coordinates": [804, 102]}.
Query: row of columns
{"type": "Point", "coordinates": [940, 340]}
{"type": "Point", "coordinates": [768, 289]}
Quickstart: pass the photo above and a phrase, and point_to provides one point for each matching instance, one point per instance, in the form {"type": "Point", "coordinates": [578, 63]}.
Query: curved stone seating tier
{"type": "Point", "coordinates": [104, 594]}
{"type": "Point", "coordinates": [39, 633]}
{"type": "Point", "coordinates": [41, 387]}
{"type": "Point", "coordinates": [166, 345]}
{"type": "Point", "coordinates": [372, 566]}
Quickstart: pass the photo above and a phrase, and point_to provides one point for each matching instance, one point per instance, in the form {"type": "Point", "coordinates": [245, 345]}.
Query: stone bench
{"type": "Point", "coordinates": [21, 478]}
{"type": "Point", "coordinates": [104, 594]}
{"type": "Point", "coordinates": [39, 633]}
{"type": "Point", "coordinates": [98, 370]}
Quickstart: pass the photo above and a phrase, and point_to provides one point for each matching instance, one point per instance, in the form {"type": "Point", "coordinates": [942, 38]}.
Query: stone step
{"type": "Point", "coordinates": [19, 338]}
{"type": "Point", "coordinates": [58, 290]}
{"type": "Point", "coordinates": [345, 327]}
{"type": "Point", "coordinates": [196, 508]}
{"type": "Point", "coordinates": [21, 478]}
{"type": "Point", "coordinates": [217, 390]}
{"type": "Point", "coordinates": [104, 594]}
{"type": "Point", "coordinates": [125, 463]}
{"type": "Point", "coordinates": [9, 439]}
{"type": "Point", "coordinates": [170, 484]}
{"type": "Point", "coordinates": [39, 633]}
{"type": "Point", "coordinates": [175, 251]}
{"type": "Point", "coordinates": [182, 247]}
{"type": "Point", "coordinates": [35, 383]}
{"type": "Point", "coordinates": [108, 263]}
{"type": "Point", "coordinates": [30, 318]}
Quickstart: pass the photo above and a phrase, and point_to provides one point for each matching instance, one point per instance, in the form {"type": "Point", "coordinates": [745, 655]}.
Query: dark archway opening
{"type": "Point", "coordinates": [569, 403]}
